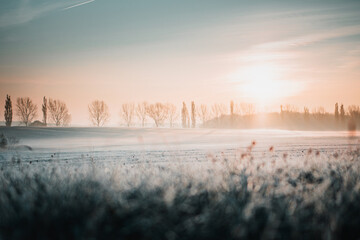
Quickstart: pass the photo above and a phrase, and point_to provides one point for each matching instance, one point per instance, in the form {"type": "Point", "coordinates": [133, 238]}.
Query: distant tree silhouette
{"type": "Point", "coordinates": [99, 113]}
{"type": "Point", "coordinates": [8, 111]}
{"type": "Point", "coordinates": [173, 114]}
{"type": "Point", "coordinates": [203, 113]}
{"type": "Point", "coordinates": [158, 112]}
{"type": "Point", "coordinates": [141, 112]}
{"type": "Point", "coordinates": [306, 113]}
{"type": "Point", "coordinates": [218, 110]}
{"type": "Point", "coordinates": [44, 110]}
{"type": "Point", "coordinates": [128, 113]}
{"type": "Point", "coordinates": [193, 115]}
{"type": "Point", "coordinates": [236, 109]}
{"type": "Point", "coordinates": [188, 122]}
{"type": "Point", "coordinates": [288, 108]}
{"type": "Point", "coordinates": [342, 112]}
{"type": "Point", "coordinates": [232, 108]}
{"type": "Point", "coordinates": [336, 111]}
{"type": "Point", "coordinates": [232, 112]}
{"type": "Point", "coordinates": [319, 112]}
{"type": "Point", "coordinates": [247, 109]}
{"type": "Point", "coordinates": [59, 113]}
{"type": "Point", "coordinates": [26, 110]}
{"type": "Point", "coordinates": [354, 112]}
{"type": "Point", "coordinates": [184, 116]}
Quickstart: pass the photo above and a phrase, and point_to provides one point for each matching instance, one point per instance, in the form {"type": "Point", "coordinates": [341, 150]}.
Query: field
{"type": "Point", "coordinates": [114, 183]}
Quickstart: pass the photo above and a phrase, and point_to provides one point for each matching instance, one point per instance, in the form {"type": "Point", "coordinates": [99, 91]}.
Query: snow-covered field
{"type": "Point", "coordinates": [134, 145]}
{"type": "Point", "coordinates": [114, 183]}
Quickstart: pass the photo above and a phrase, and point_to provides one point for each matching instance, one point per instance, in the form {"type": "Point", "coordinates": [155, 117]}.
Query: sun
{"type": "Point", "coordinates": [262, 84]}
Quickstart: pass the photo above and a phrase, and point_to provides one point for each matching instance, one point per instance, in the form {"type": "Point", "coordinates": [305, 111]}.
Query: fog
{"type": "Point", "coordinates": [148, 144]}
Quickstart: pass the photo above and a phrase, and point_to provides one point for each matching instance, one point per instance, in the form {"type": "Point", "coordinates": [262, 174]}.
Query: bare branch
{"type": "Point", "coordinates": [141, 112]}
{"type": "Point", "coordinates": [26, 110]}
{"type": "Point", "coordinates": [99, 113]}
{"type": "Point", "coordinates": [59, 113]}
{"type": "Point", "coordinates": [247, 109]}
{"type": "Point", "coordinates": [173, 114]}
{"type": "Point", "coordinates": [218, 110]}
{"type": "Point", "coordinates": [158, 112]}
{"type": "Point", "coordinates": [203, 113]}
{"type": "Point", "coordinates": [127, 113]}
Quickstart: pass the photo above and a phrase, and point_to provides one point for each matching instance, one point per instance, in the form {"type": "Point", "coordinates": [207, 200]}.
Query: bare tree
{"type": "Point", "coordinates": [173, 114]}
{"type": "Point", "coordinates": [141, 112]}
{"type": "Point", "coordinates": [44, 110]}
{"type": "Point", "coordinates": [336, 111]}
{"type": "Point", "coordinates": [184, 116]}
{"type": "Point", "coordinates": [128, 113]}
{"type": "Point", "coordinates": [158, 112]}
{"type": "Point", "coordinates": [247, 109]}
{"type": "Point", "coordinates": [59, 114]}
{"type": "Point", "coordinates": [99, 113]}
{"type": "Point", "coordinates": [193, 115]}
{"type": "Point", "coordinates": [342, 112]}
{"type": "Point", "coordinates": [306, 113]}
{"type": "Point", "coordinates": [237, 109]}
{"type": "Point", "coordinates": [231, 107]}
{"type": "Point", "coordinates": [218, 110]}
{"type": "Point", "coordinates": [8, 114]}
{"type": "Point", "coordinates": [354, 112]}
{"type": "Point", "coordinates": [203, 113]}
{"type": "Point", "coordinates": [26, 110]}
{"type": "Point", "coordinates": [289, 108]}
{"type": "Point", "coordinates": [318, 112]}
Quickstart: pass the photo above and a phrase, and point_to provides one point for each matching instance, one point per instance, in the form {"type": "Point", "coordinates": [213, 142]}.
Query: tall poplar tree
{"type": "Point", "coordinates": [8, 111]}
{"type": "Point", "coordinates": [184, 116]}
{"type": "Point", "coordinates": [44, 110]}
{"type": "Point", "coordinates": [193, 115]}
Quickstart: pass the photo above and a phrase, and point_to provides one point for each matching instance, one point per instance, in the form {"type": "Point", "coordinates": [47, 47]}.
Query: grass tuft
{"type": "Point", "coordinates": [225, 198]}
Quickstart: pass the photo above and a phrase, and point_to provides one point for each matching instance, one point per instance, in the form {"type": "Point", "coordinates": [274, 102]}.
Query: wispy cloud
{"type": "Point", "coordinates": [79, 4]}
{"type": "Point", "coordinates": [312, 38]}
{"type": "Point", "coordinates": [302, 53]}
{"type": "Point", "coordinates": [26, 11]}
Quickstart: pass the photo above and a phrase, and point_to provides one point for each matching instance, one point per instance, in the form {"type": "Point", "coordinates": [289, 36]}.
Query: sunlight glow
{"type": "Point", "coordinates": [263, 83]}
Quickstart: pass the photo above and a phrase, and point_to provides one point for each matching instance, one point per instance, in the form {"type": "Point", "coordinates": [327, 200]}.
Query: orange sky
{"type": "Point", "coordinates": [267, 54]}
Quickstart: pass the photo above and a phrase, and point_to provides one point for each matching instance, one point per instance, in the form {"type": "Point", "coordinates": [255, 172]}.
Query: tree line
{"type": "Point", "coordinates": [353, 111]}
{"type": "Point", "coordinates": [55, 111]}
{"type": "Point", "coordinates": [160, 113]}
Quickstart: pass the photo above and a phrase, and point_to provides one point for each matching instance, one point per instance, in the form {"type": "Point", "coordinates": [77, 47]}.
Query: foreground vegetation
{"type": "Point", "coordinates": [316, 197]}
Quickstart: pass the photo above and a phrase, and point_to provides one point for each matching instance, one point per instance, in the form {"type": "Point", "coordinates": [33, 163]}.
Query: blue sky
{"type": "Point", "coordinates": [306, 51]}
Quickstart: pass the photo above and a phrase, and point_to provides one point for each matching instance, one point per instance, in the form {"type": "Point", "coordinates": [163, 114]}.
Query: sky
{"type": "Point", "coordinates": [304, 53]}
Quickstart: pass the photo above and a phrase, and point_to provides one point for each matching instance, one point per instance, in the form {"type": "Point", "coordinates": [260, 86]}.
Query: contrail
{"type": "Point", "coordinates": [79, 4]}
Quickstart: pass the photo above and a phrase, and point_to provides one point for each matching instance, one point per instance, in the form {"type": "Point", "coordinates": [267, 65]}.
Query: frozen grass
{"type": "Point", "coordinates": [225, 198]}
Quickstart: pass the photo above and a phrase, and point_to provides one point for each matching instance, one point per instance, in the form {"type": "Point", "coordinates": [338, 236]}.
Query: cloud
{"type": "Point", "coordinates": [320, 25]}
{"type": "Point", "coordinates": [312, 38]}
{"type": "Point", "coordinates": [26, 11]}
